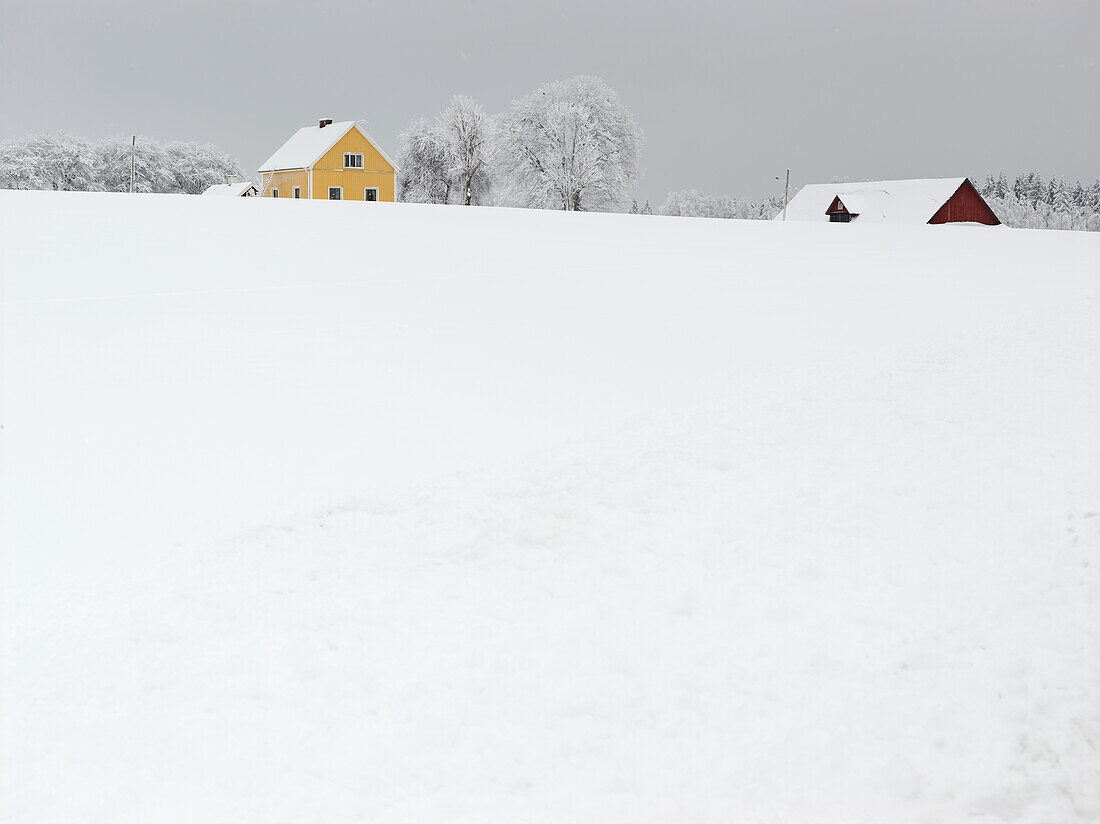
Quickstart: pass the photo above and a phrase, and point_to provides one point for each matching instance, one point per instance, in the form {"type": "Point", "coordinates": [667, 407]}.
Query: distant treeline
{"type": "Point", "coordinates": [1029, 202]}
{"type": "Point", "coordinates": [690, 203]}
{"type": "Point", "coordinates": [69, 163]}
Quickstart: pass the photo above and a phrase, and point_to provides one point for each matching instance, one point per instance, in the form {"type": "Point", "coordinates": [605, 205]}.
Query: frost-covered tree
{"type": "Point", "coordinates": [153, 170]}
{"type": "Point", "coordinates": [1061, 196]}
{"type": "Point", "coordinates": [447, 159]}
{"type": "Point", "coordinates": [1033, 188]}
{"type": "Point", "coordinates": [48, 161]}
{"type": "Point", "coordinates": [425, 165]}
{"type": "Point", "coordinates": [1079, 196]}
{"type": "Point", "coordinates": [468, 136]}
{"type": "Point", "coordinates": [71, 163]}
{"type": "Point", "coordinates": [1056, 205]}
{"type": "Point", "coordinates": [571, 145]}
{"type": "Point", "coordinates": [198, 166]}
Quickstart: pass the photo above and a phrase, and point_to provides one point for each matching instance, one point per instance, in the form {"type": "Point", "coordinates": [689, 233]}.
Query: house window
{"type": "Point", "coordinates": [274, 192]}
{"type": "Point", "coordinates": [335, 192]}
{"type": "Point", "coordinates": [370, 193]}
{"type": "Point", "coordinates": [353, 160]}
{"type": "Point", "coordinates": [297, 191]}
{"type": "Point", "coordinates": [840, 217]}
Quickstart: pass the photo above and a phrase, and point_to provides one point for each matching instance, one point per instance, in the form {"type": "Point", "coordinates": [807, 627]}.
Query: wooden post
{"type": "Point", "coordinates": [133, 148]}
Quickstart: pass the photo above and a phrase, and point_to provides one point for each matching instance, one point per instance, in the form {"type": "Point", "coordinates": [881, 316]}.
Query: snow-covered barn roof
{"type": "Point", "coordinates": [231, 189]}
{"type": "Point", "coordinates": [875, 201]}
{"type": "Point", "coordinates": [310, 143]}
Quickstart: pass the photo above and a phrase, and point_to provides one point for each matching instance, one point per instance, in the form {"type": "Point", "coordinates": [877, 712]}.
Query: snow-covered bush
{"type": "Point", "coordinates": [570, 145]}
{"type": "Point", "coordinates": [65, 162]}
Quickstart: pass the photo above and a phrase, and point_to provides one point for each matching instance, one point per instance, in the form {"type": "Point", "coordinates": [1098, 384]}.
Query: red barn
{"type": "Point", "coordinates": [942, 200]}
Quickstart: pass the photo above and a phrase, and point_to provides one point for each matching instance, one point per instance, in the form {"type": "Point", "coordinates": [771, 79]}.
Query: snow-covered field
{"type": "Point", "coordinates": [348, 512]}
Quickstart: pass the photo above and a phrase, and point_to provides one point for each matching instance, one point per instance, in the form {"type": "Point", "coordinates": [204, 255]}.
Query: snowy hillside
{"type": "Point", "coordinates": [366, 512]}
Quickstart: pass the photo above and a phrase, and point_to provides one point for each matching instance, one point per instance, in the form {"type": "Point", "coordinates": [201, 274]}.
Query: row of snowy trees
{"type": "Point", "coordinates": [569, 145]}
{"type": "Point", "coordinates": [66, 162]}
{"type": "Point", "coordinates": [1029, 202]}
{"type": "Point", "coordinates": [690, 203]}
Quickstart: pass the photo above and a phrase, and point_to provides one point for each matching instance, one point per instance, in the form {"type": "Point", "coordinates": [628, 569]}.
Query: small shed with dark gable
{"type": "Point", "coordinates": [941, 200]}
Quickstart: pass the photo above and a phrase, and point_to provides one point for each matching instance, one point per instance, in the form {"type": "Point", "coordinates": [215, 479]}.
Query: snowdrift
{"type": "Point", "coordinates": [379, 512]}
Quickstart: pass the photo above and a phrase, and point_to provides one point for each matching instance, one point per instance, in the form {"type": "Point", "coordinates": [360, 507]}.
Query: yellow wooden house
{"type": "Point", "coordinates": [330, 161]}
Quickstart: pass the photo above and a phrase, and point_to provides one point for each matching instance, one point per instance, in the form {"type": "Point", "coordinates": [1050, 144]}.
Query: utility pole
{"type": "Point", "coordinates": [133, 149]}
{"type": "Point", "coordinates": [786, 192]}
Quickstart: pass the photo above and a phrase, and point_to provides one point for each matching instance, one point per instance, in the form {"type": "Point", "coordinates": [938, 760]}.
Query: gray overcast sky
{"type": "Point", "coordinates": [729, 93]}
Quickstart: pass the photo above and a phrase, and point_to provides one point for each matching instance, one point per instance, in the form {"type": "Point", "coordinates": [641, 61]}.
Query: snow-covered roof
{"type": "Point", "coordinates": [230, 189]}
{"type": "Point", "coordinates": [875, 201]}
{"type": "Point", "coordinates": [307, 145]}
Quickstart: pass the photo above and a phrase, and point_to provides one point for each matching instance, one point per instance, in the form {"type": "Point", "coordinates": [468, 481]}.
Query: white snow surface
{"type": "Point", "coordinates": [875, 201]}
{"type": "Point", "coordinates": [380, 512]}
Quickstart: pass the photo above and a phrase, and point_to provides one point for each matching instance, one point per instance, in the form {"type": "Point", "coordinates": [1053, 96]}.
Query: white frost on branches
{"type": "Point", "coordinates": [49, 161]}
{"type": "Point", "coordinates": [65, 162]}
{"type": "Point", "coordinates": [571, 145]}
{"type": "Point", "coordinates": [425, 167]}
{"type": "Point", "coordinates": [448, 160]}
{"type": "Point", "coordinates": [1031, 203]}
{"type": "Point", "coordinates": [468, 136]}
{"type": "Point", "coordinates": [690, 203]}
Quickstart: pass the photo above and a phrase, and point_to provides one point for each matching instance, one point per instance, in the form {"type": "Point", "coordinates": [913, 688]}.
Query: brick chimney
{"type": "Point", "coordinates": [322, 123]}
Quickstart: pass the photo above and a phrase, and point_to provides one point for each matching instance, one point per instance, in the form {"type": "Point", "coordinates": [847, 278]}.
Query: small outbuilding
{"type": "Point", "coordinates": [940, 200]}
{"type": "Point", "coordinates": [245, 188]}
